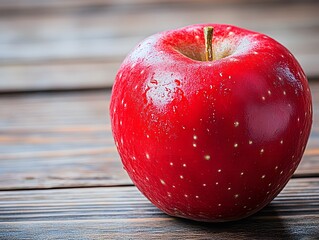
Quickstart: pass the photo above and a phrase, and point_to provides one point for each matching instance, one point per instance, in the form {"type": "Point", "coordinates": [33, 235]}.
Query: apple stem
{"type": "Point", "coordinates": [208, 34]}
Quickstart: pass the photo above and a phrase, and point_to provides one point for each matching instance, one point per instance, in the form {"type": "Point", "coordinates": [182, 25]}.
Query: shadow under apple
{"type": "Point", "coordinates": [266, 224]}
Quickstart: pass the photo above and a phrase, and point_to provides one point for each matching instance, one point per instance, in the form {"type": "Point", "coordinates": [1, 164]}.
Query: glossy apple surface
{"type": "Point", "coordinates": [210, 140]}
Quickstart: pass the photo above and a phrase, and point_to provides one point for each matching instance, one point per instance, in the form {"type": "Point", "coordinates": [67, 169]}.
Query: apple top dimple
{"type": "Point", "coordinates": [227, 42]}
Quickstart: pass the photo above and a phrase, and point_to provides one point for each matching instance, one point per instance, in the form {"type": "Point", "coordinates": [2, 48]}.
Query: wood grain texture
{"type": "Point", "coordinates": [60, 173]}
{"type": "Point", "coordinates": [31, 5]}
{"type": "Point", "coordinates": [44, 45]}
{"type": "Point", "coordinates": [58, 75]}
{"type": "Point", "coordinates": [123, 213]}
{"type": "Point", "coordinates": [58, 140]}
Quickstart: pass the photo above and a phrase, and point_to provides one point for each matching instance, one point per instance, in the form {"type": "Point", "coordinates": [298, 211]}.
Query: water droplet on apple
{"type": "Point", "coordinates": [174, 109]}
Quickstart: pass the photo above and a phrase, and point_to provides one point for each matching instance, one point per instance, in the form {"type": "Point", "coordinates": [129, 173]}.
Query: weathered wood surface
{"type": "Point", "coordinates": [60, 174]}
{"type": "Point", "coordinates": [123, 213]}
{"type": "Point", "coordinates": [80, 44]}
{"type": "Point", "coordinates": [64, 140]}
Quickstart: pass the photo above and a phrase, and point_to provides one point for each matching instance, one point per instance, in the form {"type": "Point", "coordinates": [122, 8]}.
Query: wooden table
{"type": "Point", "coordinates": [60, 173]}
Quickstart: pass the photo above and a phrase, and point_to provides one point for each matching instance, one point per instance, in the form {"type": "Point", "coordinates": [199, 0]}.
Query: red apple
{"type": "Point", "coordinates": [210, 138]}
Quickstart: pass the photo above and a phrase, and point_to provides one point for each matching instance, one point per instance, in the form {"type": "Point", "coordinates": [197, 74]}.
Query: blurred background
{"type": "Point", "coordinates": [79, 44]}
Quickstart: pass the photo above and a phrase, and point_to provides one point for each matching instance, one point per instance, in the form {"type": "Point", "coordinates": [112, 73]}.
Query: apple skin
{"type": "Point", "coordinates": [210, 140]}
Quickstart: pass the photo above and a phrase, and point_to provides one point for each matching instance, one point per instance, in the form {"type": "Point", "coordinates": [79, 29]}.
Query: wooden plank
{"type": "Point", "coordinates": [40, 50]}
{"type": "Point", "coordinates": [58, 75]}
{"type": "Point", "coordinates": [71, 145]}
{"type": "Point", "coordinates": [41, 159]}
{"type": "Point", "coordinates": [123, 213]}
{"type": "Point", "coordinates": [35, 5]}
{"type": "Point", "coordinates": [54, 140]}
{"type": "Point", "coordinates": [87, 74]}
{"type": "Point", "coordinates": [65, 35]}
